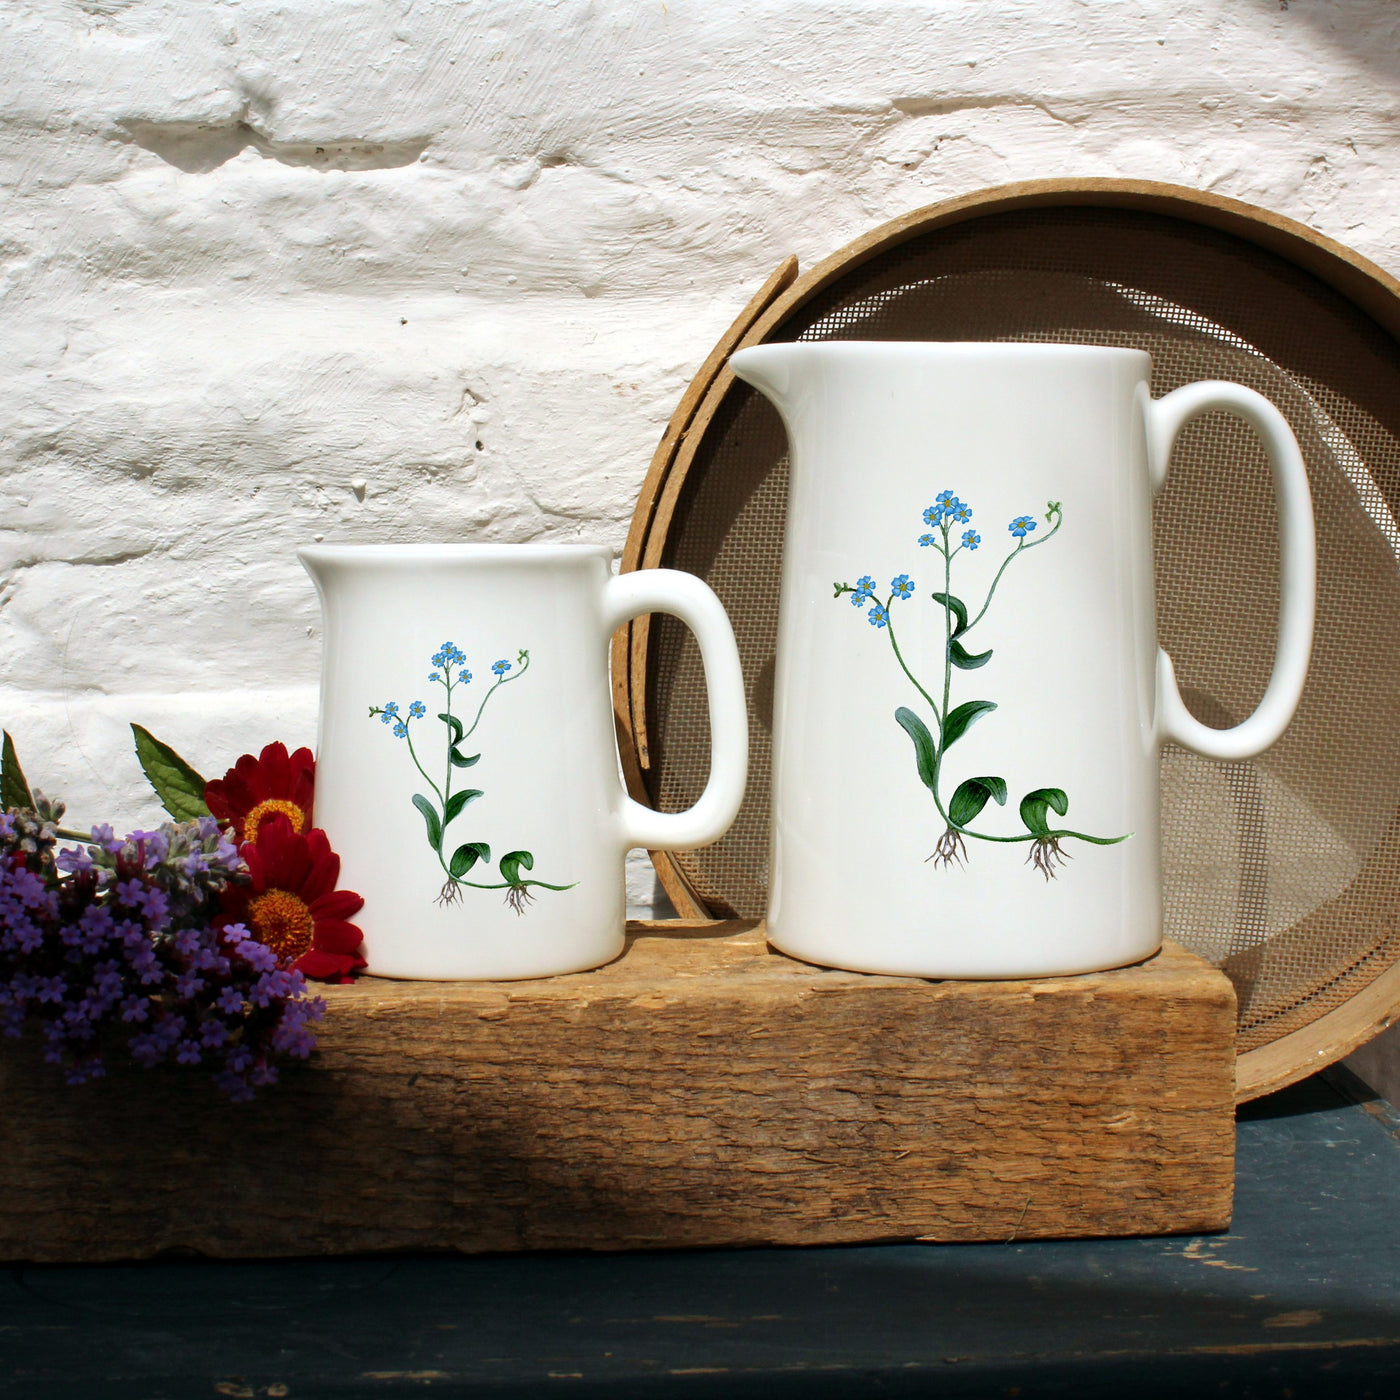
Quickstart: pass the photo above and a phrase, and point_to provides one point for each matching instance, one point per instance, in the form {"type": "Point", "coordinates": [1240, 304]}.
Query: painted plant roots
{"type": "Point", "coordinates": [950, 534]}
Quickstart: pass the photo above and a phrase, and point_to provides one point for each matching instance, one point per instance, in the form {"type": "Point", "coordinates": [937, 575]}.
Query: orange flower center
{"type": "Point", "coordinates": [265, 811]}
{"type": "Point", "coordinates": [282, 921]}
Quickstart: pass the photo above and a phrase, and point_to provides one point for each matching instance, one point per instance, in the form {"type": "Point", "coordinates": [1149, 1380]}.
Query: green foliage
{"type": "Point", "coordinates": [457, 801]}
{"type": "Point", "coordinates": [958, 609]}
{"type": "Point", "coordinates": [14, 787]}
{"type": "Point", "coordinates": [972, 796]}
{"type": "Point", "coordinates": [962, 719]}
{"type": "Point", "coordinates": [466, 856]}
{"type": "Point", "coordinates": [511, 863]}
{"type": "Point", "coordinates": [1035, 806]}
{"type": "Point", "coordinates": [179, 788]}
{"type": "Point", "coordinates": [963, 659]}
{"type": "Point", "coordinates": [925, 755]}
{"type": "Point", "coordinates": [431, 818]}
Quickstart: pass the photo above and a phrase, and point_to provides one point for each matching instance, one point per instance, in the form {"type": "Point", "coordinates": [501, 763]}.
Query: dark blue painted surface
{"type": "Point", "coordinates": [1302, 1297]}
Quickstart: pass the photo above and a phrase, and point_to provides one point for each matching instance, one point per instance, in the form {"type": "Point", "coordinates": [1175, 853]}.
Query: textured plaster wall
{"type": "Point", "coordinates": [439, 269]}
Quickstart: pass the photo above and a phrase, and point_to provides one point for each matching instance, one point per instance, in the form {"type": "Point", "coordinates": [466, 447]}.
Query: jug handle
{"type": "Point", "coordinates": [1298, 569]}
{"type": "Point", "coordinates": [684, 596]}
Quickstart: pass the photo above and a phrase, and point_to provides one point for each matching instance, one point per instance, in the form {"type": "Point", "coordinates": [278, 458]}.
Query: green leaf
{"type": "Point", "coordinates": [461, 760]}
{"type": "Point", "coordinates": [456, 726]}
{"type": "Point", "coordinates": [511, 863]}
{"type": "Point", "coordinates": [962, 719]}
{"type": "Point", "coordinates": [964, 659]}
{"type": "Point", "coordinates": [430, 816]}
{"type": "Point", "coordinates": [179, 787]}
{"type": "Point", "coordinates": [924, 752]}
{"type": "Point", "coordinates": [972, 796]}
{"type": "Point", "coordinates": [1035, 804]}
{"type": "Point", "coordinates": [959, 610]}
{"type": "Point", "coordinates": [466, 856]}
{"type": "Point", "coordinates": [14, 789]}
{"type": "Point", "coordinates": [457, 801]}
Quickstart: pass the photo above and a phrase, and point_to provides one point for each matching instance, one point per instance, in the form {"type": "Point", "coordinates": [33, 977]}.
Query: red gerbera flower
{"type": "Point", "coordinates": [292, 905]}
{"type": "Point", "coordinates": [255, 790]}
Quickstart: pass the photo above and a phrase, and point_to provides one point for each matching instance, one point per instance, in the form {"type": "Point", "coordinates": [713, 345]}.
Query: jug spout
{"type": "Point", "coordinates": [771, 369]}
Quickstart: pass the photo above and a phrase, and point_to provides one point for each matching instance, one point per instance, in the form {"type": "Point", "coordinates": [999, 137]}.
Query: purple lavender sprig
{"type": "Point", "coordinates": [119, 942]}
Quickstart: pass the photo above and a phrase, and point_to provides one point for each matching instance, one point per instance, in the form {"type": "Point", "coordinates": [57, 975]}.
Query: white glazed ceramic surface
{"type": "Point", "coordinates": [547, 771]}
{"type": "Point", "coordinates": [1083, 696]}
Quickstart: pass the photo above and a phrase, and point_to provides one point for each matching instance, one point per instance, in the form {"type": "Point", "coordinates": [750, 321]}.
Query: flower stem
{"type": "Point", "coordinates": [413, 754]}
{"type": "Point", "coordinates": [1021, 548]}
{"type": "Point", "coordinates": [899, 656]}
{"type": "Point", "coordinates": [524, 659]}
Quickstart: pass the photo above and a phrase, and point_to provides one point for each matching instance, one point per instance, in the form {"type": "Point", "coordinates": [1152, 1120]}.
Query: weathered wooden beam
{"type": "Point", "coordinates": [701, 1090]}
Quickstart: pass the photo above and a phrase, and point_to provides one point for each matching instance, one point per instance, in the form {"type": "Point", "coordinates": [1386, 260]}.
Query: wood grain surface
{"type": "Point", "coordinates": [701, 1090]}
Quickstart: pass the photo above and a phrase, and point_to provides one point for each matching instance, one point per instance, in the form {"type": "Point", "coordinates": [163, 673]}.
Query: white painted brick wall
{"type": "Point", "coordinates": [467, 253]}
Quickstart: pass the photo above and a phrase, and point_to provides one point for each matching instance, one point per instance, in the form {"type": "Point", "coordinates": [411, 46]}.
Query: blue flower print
{"type": "Point", "coordinates": [971, 539]}
{"type": "Point", "coordinates": [947, 502]}
{"type": "Point", "coordinates": [879, 615]}
{"type": "Point", "coordinates": [962, 514]}
{"type": "Point", "coordinates": [1021, 525]}
{"type": "Point", "coordinates": [435, 677]}
{"type": "Point", "coordinates": [927, 540]}
{"type": "Point", "coordinates": [932, 516]}
{"type": "Point", "coordinates": [865, 590]}
{"type": "Point", "coordinates": [903, 586]}
{"type": "Point", "coordinates": [417, 710]}
{"type": "Point", "coordinates": [500, 667]}
{"type": "Point", "coordinates": [463, 677]}
{"type": "Point", "coordinates": [389, 712]}
{"type": "Point", "coordinates": [448, 655]}
{"type": "Point", "coordinates": [401, 730]}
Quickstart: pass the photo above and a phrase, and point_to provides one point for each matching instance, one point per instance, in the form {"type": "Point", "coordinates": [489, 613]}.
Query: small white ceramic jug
{"type": "Point", "coordinates": [969, 690]}
{"type": "Point", "coordinates": [467, 769]}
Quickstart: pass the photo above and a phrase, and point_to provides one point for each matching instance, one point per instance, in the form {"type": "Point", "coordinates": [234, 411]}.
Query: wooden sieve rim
{"type": "Point", "coordinates": [1357, 279]}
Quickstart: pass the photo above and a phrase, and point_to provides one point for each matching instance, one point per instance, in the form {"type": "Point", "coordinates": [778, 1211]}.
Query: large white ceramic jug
{"type": "Point", "coordinates": [970, 696]}
{"type": "Point", "coordinates": [467, 767]}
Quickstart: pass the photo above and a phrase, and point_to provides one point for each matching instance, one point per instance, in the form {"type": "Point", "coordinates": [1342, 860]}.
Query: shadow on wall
{"type": "Point", "coordinates": [1365, 31]}
{"type": "Point", "coordinates": [198, 149]}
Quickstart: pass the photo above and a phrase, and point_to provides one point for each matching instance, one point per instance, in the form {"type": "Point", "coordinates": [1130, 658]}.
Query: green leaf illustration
{"type": "Point", "coordinates": [457, 801]}
{"type": "Point", "coordinates": [466, 856]}
{"type": "Point", "coordinates": [962, 719]}
{"type": "Point", "coordinates": [456, 726]}
{"type": "Point", "coordinates": [924, 752]}
{"type": "Point", "coordinates": [964, 659]}
{"type": "Point", "coordinates": [179, 787]}
{"type": "Point", "coordinates": [461, 760]}
{"type": "Point", "coordinates": [1034, 806]}
{"type": "Point", "coordinates": [511, 863]}
{"type": "Point", "coordinates": [959, 610]}
{"type": "Point", "coordinates": [430, 816]}
{"type": "Point", "coordinates": [972, 796]}
{"type": "Point", "coordinates": [14, 788]}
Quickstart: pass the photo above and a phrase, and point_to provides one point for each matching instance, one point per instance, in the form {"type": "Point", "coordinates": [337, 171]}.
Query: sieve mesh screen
{"type": "Point", "coordinates": [1284, 871]}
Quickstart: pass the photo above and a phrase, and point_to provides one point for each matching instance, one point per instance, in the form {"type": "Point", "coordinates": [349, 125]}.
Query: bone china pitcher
{"type": "Point", "coordinates": [467, 765]}
{"type": "Point", "coordinates": [970, 697]}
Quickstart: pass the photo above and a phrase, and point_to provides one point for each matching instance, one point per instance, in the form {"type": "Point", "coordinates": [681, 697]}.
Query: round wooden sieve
{"type": "Point", "coordinates": [1284, 871]}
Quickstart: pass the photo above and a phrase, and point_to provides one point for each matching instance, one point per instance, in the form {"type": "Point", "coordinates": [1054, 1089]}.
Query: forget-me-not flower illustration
{"type": "Point", "coordinates": [1040, 809]}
